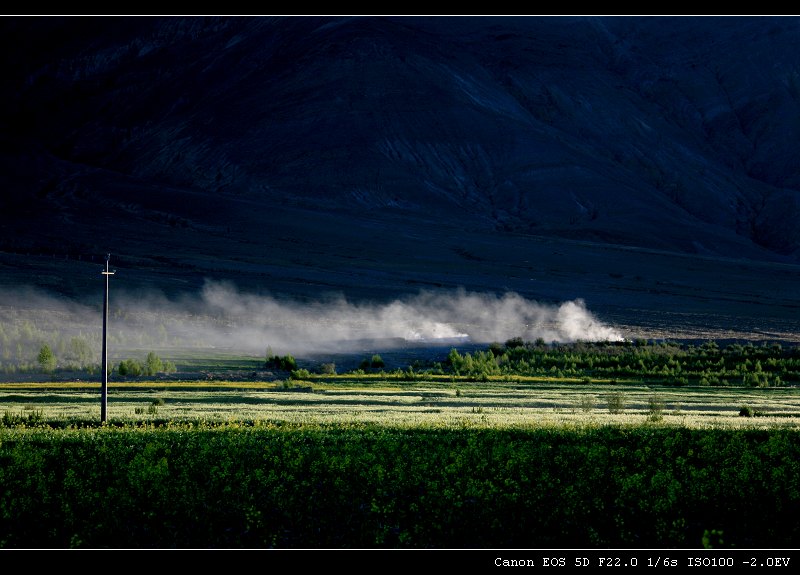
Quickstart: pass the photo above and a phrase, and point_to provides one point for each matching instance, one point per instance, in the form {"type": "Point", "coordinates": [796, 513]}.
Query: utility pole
{"type": "Point", "coordinates": [104, 392]}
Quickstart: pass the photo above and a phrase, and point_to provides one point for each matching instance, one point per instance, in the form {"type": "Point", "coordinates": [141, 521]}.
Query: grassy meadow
{"type": "Point", "coordinates": [513, 384]}
{"type": "Point", "coordinates": [382, 400]}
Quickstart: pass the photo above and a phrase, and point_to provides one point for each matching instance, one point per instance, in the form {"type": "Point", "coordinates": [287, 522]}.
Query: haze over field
{"type": "Point", "coordinates": [425, 317]}
{"type": "Point", "coordinates": [223, 318]}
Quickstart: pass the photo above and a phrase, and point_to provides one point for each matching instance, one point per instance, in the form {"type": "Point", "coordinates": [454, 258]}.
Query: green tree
{"type": "Point", "coordinates": [285, 363]}
{"type": "Point", "coordinates": [616, 402]}
{"type": "Point", "coordinates": [130, 367]}
{"type": "Point", "coordinates": [153, 364]}
{"type": "Point", "coordinates": [46, 359]}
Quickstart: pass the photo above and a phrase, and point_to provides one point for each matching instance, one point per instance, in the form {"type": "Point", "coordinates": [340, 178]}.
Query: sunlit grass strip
{"type": "Point", "coordinates": [150, 384]}
{"type": "Point", "coordinates": [402, 377]}
{"type": "Point", "coordinates": [408, 416]}
{"type": "Point", "coordinates": [489, 403]}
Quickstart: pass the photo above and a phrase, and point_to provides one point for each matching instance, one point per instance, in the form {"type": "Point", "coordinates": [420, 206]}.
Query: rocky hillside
{"type": "Point", "coordinates": [374, 154]}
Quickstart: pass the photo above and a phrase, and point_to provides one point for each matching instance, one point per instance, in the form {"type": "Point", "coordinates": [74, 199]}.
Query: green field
{"type": "Point", "coordinates": [384, 400]}
{"type": "Point", "coordinates": [631, 446]}
{"type": "Point", "coordinates": [512, 384]}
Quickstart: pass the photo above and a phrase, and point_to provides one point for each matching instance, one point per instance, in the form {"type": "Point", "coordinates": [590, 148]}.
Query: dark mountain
{"type": "Point", "coordinates": [647, 164]}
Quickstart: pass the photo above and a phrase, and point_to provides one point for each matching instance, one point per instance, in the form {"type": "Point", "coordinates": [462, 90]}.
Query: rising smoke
{"type": "Point", "coordinates": [221, 316]}
{"type": "Point", "coordinates": [252, 321]}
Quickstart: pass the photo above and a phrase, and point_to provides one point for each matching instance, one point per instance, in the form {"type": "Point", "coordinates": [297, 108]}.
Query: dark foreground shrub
{"type": "Point", "coordinates": [289, 486]}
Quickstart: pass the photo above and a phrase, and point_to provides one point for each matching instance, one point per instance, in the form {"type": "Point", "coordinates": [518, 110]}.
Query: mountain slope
{"type": "Point", "coordinates": [374, 154]}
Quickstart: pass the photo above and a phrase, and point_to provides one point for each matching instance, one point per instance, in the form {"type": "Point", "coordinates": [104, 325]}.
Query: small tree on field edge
{"type": "Point", "coordinates": [46, 359]}
{"type": "Point", "coordinates": [153, 364]}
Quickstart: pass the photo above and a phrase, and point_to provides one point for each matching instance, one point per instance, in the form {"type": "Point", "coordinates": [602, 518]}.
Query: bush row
{"type": "Point", "coordinates": [266, 485]}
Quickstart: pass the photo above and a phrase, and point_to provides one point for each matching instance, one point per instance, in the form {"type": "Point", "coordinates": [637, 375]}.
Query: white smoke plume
{"type": "Point", "coordinates": [427, 316]}
{"type": "Point", "coordinates": [221, 316]}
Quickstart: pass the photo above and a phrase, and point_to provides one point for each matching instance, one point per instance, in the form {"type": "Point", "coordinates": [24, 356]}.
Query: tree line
{"type": "Point", "coordinates": [709, 363]}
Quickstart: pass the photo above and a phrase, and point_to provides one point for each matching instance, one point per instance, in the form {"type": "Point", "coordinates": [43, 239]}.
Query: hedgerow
{"type": "Point", "coordinates": [278, 485]}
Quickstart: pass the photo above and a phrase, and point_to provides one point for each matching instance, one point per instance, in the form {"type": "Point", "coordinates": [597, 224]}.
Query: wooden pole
{"type": "Point", "coordinates": [104, 389]}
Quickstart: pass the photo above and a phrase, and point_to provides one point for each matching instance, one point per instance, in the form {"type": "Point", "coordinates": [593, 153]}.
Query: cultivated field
{"type": "Point", "coordinates": [516, 384]}
{"type": "Point", "coordinates": [522, 445]}
{"type": "Point", "coordinates": [384, 400]}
